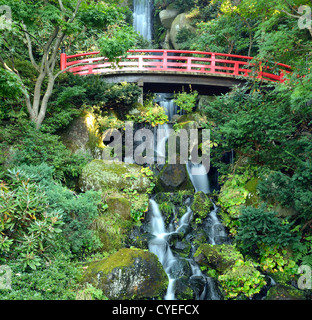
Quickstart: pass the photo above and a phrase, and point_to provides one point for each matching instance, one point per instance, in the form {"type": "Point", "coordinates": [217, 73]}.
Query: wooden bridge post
{"type": "Point", "coordinates": [63, 59]}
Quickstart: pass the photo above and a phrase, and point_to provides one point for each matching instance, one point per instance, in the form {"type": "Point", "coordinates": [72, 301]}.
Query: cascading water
{"type": "Point", "coordinates": [160, 247]}
{"type": "Point", "coordinates": [200, 181]}
{"type": "Point", "coordinates": [142, 18]}
{"type": "Point", "coordinates": [204, 286]}
{"type": "Point", "coordinates": [165, 100]}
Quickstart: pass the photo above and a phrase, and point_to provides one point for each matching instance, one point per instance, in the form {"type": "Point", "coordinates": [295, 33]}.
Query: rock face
{"type": "Point", "coordinates": [128, 274]}
{"type": "Point", "coordinates": [179, 22]}
{"type": "Point", "coordinates": [76, 135]}
{"type": "Point", "coordinates": [108, 175]}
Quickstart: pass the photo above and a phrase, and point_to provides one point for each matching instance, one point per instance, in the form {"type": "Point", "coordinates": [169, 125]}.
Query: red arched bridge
{"type": "Point", "coordinates": [175, 66]}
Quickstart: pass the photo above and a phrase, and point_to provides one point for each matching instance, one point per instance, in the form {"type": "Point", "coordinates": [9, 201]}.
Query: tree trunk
{"type": "Point", "coordinates": [44, 102]}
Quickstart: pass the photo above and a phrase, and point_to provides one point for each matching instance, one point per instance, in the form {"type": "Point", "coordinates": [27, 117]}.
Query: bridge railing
{"type": "Point", "coordinates": [176, 61]}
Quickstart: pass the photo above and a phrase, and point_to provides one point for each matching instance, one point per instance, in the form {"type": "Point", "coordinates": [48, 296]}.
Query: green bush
{"type": "Point", "coordinates": [28, 223]}
{"type": "Point", "coordinates": [186, 101]}
{"type": "Point", "coordinates": [36, 147]}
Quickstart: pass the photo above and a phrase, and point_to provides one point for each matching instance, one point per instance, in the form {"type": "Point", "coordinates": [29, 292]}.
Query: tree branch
{"type": "Point", "coordinates": [61, 5]}
{"type": "Point", "coordinates": [30, 50]}
{"type": "Point", "coordinates": [76, 10]}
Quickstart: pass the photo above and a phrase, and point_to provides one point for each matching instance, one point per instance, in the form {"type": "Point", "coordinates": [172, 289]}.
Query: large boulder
{"type": "Point", "coordinates": [181, 21]}
{"type": "Point", "coordinates": [110, 175]}
{"type": "Point", "coordinates": [167, 16]}
{"type": "Point", "coordinates": [76, 136]}
{"type": "Point", "coordinates": [173, 177]}
{"type": "Point", "coordinates": [281, 292]}
{"type": "Point", "coordinates": [128, 274]}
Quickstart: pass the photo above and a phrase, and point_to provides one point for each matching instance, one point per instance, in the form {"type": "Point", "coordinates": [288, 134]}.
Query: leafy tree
{"type": "Point", "coordinates": [257, 125]}
{"type": "Point", "coordinates": [45, 26]}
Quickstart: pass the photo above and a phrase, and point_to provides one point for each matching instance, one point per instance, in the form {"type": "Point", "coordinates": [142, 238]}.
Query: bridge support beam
{"type": "Point", "coordinates": [174, 81]}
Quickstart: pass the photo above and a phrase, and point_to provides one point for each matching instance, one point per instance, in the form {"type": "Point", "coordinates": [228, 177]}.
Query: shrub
{"type": "Point", "coordinates": [28, 223]}
{"type": "Point", "coordinates": [186, 101]}
{"type": "Point", "coordinates": [242, 278]}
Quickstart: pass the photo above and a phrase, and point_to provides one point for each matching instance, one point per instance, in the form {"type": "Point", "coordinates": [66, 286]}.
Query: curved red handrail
{"type": "Point", "coordinates": [186, 61]}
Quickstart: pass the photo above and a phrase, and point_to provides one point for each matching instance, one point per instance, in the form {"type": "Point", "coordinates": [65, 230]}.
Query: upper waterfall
{"type": "Point", "coordinates": [142, 18]}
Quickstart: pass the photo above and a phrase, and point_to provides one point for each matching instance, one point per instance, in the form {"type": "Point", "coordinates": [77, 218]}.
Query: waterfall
{"type": "Point", "coordinates": [165, 100]}
{"type": "Point", "coordinates": [199, 181]}
{"type": "Point", "coordinates": [142, 18]}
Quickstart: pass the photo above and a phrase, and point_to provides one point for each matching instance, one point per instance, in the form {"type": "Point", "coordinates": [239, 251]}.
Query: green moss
{"type": "Point", "coordinates": [119, 205]}
{"type": "Point", "coordinates": [282, 292]}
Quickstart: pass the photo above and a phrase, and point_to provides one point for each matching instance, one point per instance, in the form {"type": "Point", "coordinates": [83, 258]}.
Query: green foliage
{"type": "Point", "coordinates": [167, 208]}
{"type": "Point", "coordinates": [138, 212]}
{"type": "Point", "coordinates": [258, 227]}
{"type": "Point", "coordinates": [58, 279]}
{"type": "Point", "coordinates": [291, 192]}
{"type": "Point", "coordinates": [116, 44]}
{"type": "Point", "coordinates": [93, 94]}
{"type": "Point", "coordinates": [10, 85]}
{"type": "Point", "coordinates": [257, 125]}
{"type": "Point", "coordinates": [232, 196]}
{"type": "Point", "coordinates": [274, 259]}
{"type": "Point", "coordinates": [28, 223]}
{"type": "Point", "coordinates": [242, 278]}
{"type": "Point", "coordinates": [186, 101]}
{"type": "Point", "coordinates": [150, 113]}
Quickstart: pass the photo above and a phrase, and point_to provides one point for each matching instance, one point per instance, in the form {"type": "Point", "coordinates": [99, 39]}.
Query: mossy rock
{"type": "Point", "coordinates": [281, 292]}
{"type": "Point", "coordinates": [108, 175]}
{"type": "Point", "coordinates": [128, 274]}
{"type": "Point", "coordinates": [119, 205]}
{"type": "Point", "coordinates": [218, 257]}
{"type": "Point", "coordinates": [201, 206]}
